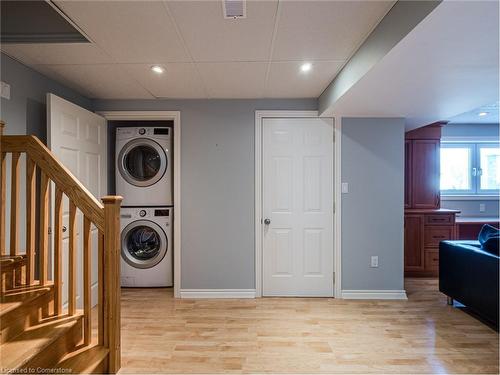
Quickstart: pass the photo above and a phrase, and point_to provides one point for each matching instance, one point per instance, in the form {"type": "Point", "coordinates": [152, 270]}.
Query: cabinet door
{"type": "Point", "coordinates": [408, 172]}
{"type": "Point", "coordinates": [425, 173]}
{"type": "Point", "coordinates": [414, 243]}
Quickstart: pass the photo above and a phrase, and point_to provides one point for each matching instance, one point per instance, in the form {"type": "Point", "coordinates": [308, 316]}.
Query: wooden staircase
{"type": "Point", "coordinates": [40, 334]}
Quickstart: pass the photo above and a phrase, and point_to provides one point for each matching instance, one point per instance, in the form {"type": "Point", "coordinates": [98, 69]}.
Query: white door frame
{"type": "Point", "coordinates": [176, 117]}
{"type": "Point", "coordinates": [337, 266]}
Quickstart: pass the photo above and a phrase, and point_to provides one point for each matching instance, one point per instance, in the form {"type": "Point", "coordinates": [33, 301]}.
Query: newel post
{"type": "Point", "coordinates": [111, 270]}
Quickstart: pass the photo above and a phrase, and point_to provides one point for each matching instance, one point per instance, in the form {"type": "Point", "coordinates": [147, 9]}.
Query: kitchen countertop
{"type": "Point", "coordinates": [476, 219]}
{"type": "Point", "coordinates": [431, 211]}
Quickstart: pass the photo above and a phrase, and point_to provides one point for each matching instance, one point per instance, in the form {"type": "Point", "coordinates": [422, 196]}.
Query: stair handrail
{"type": "Point", "coordinates": [104, 216]}
{"type": "Point", "coordinates": [58, 173]}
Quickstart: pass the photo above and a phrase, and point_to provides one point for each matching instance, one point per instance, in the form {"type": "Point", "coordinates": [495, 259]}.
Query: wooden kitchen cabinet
{"type": "Point", "coordinates": [408, 161]}
{"type": "Point", "coordinates": [425, 223]}
{"type": "Point", "coordinates": [425, 173]}
{"type": "Point", "coordinates": [414, 245]}
{"type": "Point", "coordinates": [424, 230]}
{"type": "Point", "coordinates": [422, 147]}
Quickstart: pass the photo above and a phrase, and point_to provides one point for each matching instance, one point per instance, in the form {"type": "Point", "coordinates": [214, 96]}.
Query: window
{"type": "Point", "coordinates": [489, 167]}
{"type": "Point", "coordinates": [470, 168]}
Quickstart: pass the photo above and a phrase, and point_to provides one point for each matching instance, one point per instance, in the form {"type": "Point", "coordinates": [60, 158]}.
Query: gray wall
{"type": "Point", "coordinates": [372, 211]}
{"type": "Point", "coordinates": [471, 207]}
{"type": "Point", "coordinates": [217, 148]}
{"type": "Point", "coordinates": [25, 112]}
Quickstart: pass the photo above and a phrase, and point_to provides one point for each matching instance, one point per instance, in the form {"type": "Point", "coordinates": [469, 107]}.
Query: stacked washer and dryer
{"type": "Point", "coordinates": [144, 180]}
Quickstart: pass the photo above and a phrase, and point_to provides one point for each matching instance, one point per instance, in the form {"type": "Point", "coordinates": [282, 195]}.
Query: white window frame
{"type": "Point", "coordinates": [480, 190]}
{"type": "Point", "coordinates": [476, 193]}
{"type": "Point", "coordinates": [472, 189]}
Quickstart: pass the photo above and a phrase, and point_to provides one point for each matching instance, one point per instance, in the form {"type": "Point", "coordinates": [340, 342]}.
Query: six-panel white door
{"type": "Point", "coordinates": [78, 138]}
{"type": "Point", "coordinates": [298, 206]}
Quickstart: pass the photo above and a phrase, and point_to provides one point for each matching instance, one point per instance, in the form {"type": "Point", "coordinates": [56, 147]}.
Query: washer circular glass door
{"type": "Point", "coordinates": [144, 244]}
{"type": "Point", "coordinates": [142, 162]}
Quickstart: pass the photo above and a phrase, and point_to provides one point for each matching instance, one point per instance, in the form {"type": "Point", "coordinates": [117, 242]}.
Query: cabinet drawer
{"type": "Point", "coordinates": [434, 235]}
{"type": "Point", "coordinates": [439, 220]}
{"type": "Point", "coordinates": [432, 260]}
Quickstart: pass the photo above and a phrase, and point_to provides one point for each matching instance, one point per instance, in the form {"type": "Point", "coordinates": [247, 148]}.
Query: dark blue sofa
{"type": "Point", "coordinates": [469, 275]}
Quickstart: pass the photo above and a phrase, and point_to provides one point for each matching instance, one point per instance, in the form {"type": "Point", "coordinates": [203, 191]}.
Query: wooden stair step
{"type": "Point", "coordinates": [18, 296]}
{"type": "Point", "coordinates": [23, 307]}
{"type": "Point", "coordinates": [86, 360]}
{"type": "Point", "coordinates": [42, 345]}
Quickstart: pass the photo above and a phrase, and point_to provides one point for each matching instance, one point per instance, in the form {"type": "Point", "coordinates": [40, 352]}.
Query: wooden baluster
{"type": "Point", "coordinates": [112, 280]}
{"type": "Point", "coordinates": [100, 288]}
{"type": "Point", "coordinates": [87, 275]}
{"type": "Point", "coordinates": [2, 193]}
{"type": "Point", "coordinates": [30, 219]}
{"type": "Point", "coordinates": [58, 246]}
{"type": "Point", "coordinates": [72, 259]}
{"type": "Point", "coordinates": [44, 229]}
{"type": "Point", "coordinates": [14, 204]}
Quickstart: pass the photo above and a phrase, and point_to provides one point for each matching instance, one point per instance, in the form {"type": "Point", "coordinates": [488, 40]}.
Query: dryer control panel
{"type": "Point", "coordinates": [136, 132]}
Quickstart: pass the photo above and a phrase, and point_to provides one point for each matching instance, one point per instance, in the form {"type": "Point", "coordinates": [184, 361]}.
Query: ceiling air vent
{"type": "Point", "coordinates": [233, 9]}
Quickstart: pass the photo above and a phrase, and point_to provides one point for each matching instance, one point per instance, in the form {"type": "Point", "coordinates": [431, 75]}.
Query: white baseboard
{"type": "Point", "coordinates": [217, 293]}
{"type": "Point", "coordinates": [374, 294]}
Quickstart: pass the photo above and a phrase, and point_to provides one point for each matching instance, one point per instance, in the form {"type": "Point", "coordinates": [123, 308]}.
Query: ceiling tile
{"type": "Point", "coordinates": [328, 30]}
{"type": "Point", "coordinates": [130, 31]}
{"type": "Point", "coordinates": [56, 53]}
{"type": "Point", "coordinates": [234, 80]}
{"type": "Point", "coordinates": [210, 37]}
{"type": "Point", "coordinates": [287, 81]}
{"type": "Point", "coordinates": [103, 81]}
{"type": "Point", "coordinates": [180, 80]}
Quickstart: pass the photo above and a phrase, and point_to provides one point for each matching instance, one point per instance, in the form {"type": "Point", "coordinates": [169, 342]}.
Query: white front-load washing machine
{"type": "Point", "coordinates": [147, 246]}
{"type": "Point", "coordinates": [144, 166]}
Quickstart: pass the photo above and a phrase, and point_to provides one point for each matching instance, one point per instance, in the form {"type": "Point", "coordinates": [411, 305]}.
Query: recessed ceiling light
{"type": "Point", "coordinates": [483, 114]}
{"type": "Point", "coordinates": [305, 67]}
{"type": "Point", "coordinates": [157, 69]}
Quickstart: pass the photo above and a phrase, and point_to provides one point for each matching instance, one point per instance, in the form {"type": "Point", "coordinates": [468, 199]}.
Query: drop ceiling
{"type": "Point", "coordinates": [204, 55]}
{"type": "Point", "coordinates": [486, 114]}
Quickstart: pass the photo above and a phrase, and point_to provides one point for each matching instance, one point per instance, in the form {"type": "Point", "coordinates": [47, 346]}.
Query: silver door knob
{"type": "Point", "coordinates": [267, 221]}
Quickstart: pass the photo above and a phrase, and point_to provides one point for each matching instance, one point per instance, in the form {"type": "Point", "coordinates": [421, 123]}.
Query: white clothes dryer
{"type": "Point", "coordinates": [144, 166]}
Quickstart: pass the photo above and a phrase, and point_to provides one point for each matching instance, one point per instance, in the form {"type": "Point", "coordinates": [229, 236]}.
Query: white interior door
{"type": "Point", "coordinates": [298, 206]}
{"type": "Point", "coordinates": [78, 138]}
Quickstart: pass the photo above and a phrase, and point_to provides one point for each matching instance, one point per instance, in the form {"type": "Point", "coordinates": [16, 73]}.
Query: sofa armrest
{"type": "Point", "coordinates": [470, 276]}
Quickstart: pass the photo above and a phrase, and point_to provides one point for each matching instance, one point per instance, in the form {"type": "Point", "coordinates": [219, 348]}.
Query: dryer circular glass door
{"type": "Point", "coordinates": [142, 162]}
{"type": "Point", "coordinates": [144, 244]}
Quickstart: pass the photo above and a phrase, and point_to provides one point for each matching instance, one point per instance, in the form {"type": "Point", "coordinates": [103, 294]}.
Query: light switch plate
{"type": "Point", "coordinates": [374, 261]}
{"type": "Point", "coordinates": [345, 187]}
{"type": "Point", "coordinates": [5, 90]}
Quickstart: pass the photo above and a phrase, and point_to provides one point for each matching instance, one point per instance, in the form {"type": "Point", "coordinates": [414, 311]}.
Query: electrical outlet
{"type": "Point", "coordinates": [482, 207]}
{"type": "Point", "coordinates": [374, 261]}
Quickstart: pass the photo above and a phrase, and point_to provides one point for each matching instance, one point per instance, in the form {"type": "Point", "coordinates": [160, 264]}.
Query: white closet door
{"type": "Point", "coordinates": [298, 206]}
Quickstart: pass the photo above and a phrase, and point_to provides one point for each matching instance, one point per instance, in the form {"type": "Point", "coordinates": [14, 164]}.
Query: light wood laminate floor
{"type": "Point", "coordinates": [303, 335]}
